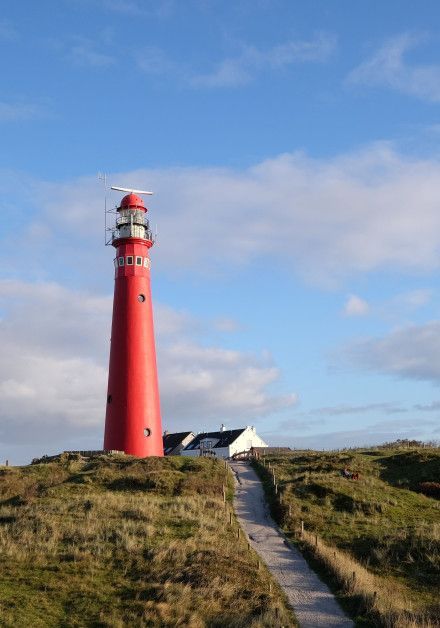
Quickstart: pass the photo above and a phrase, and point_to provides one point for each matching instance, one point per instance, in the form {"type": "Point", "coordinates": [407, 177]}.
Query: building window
{"type": "Point", "coordinates": [147, 262]}
{"type": "Point", "coordinates": [130, 260]}
{"type": "Point", "coordinates": [121, 261]}
{"type": "Point", "coordinates": [147, 431]}
{"type": "Point", "coordinates": [109, 399]}
{"type": "Point", "coordinates": [141, 298]}
{"type": "Point", "coordinates": [139, 261]}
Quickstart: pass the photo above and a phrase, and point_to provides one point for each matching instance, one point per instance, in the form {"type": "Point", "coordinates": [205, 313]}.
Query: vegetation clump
{"type": "Point", "coordinates": [117, 541]}
{"type": "Point", "coordinates": [377, 537]}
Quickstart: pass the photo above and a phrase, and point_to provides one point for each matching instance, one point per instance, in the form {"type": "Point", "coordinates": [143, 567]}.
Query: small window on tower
{"type": "Point", "coordinates": [139, 261]}
{"type": "Point", "coordinates": [130, 260]}
{"type": "Point", "coordinates": [121, 261]}
{"type": "Point", "coordinates": [116, 262]}
{"type": "Point", "coordinates": [147, 263]}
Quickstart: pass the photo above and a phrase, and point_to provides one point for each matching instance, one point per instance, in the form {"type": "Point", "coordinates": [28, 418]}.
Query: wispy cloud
{"type": "Point", "coordinates": [434, 406]}
{"type": "Point", "coordinates": [8, 32]}
{"type": "Point", "coordinates": [133, 8]}
{"type": "Point", "coordinates": [17, 112]}
{"type": "Point", "coordinates": [388, 67]}
{"type": "Point", "coordinates": [153, 61]}
{"type": "Point", "coordinates": [85, 53]}
{"type": "Point", "coordinates": [349, 409]}
{"type": "Point", "coordinates": [243, 68]}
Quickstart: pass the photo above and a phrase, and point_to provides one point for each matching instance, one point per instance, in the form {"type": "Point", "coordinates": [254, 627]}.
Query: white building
{"type": "Point", "coordinates": [223, 444]}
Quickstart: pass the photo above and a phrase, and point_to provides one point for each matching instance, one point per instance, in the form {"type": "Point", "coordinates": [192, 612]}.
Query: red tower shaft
{"type": "Point", "coordinates": [133, 421]}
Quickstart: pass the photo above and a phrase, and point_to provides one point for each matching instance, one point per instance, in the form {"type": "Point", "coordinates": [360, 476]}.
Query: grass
{"type": "Point", "coordinates": [119, 542]}
{"type": "Point", "coordinates": [378, 527]}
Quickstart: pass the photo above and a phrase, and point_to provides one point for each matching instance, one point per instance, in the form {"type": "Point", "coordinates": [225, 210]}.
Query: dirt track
{"type": "Point", "coordinates": [312, 601]}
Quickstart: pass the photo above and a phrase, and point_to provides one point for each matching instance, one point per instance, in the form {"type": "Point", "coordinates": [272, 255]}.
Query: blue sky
{"type": "Point", "coordinates": [293, 148]}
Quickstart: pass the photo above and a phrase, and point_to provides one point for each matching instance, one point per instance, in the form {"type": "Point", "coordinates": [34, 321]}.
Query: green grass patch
{"type": "Point", "coordinates": [118, 541]}
{"type": "Point", "coordinates": [380, 520]}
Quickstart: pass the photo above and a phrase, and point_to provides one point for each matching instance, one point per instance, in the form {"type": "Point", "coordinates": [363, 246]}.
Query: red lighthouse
{"type": "Point", "coordinates": [133, 422]}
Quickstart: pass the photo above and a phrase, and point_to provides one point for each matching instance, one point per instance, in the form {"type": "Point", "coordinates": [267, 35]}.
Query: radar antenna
{"type": "Point", "coordinates": [131, 190]}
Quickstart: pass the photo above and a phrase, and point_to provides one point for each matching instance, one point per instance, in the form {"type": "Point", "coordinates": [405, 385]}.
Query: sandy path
{"type": "Point", "coordinates": [313, 603]}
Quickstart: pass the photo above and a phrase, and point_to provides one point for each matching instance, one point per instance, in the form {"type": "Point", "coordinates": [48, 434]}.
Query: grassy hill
{"type": "Point", "coordinates": [376, 537]}
{"type": "Point", "coordinates": [119, 541]}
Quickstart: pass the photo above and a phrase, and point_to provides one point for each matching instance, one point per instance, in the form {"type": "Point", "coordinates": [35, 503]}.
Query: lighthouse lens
{"type": "Point", "coordinates": [141, 298]}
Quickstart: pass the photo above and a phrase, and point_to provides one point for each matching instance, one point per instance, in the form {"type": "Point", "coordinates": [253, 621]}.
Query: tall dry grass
{"type": "Point", "coordinates": [122, 544]}
{"type": "Point", "coordinates": [386, 601]}
{"type": "Point", "coordinates": [388, 537]}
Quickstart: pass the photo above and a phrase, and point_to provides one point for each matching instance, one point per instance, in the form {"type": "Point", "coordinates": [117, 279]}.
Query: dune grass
{"type": "Point", "coordinates": [377, 538]}
{"type": "Point", "coordinates": [117, 541]}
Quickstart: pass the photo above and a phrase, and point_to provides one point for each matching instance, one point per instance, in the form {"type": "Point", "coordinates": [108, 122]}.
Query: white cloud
{"type": "Point", "coordinates": [355, 306]}
{"type": "Point", "coordinates": [412, 352]}
{"type": "Point", "coordinates": [326, 219]}
{"type": "Point", "coordinates": [388, 68]}
{"type": "Point", "coordinates": [242, 69]}
{"type": "Point", "coordinates": [53, 370]}
{"type": "Point", "coordinates": [206, 384]}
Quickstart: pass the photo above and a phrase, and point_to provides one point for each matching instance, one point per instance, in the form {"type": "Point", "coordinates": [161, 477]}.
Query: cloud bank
{"type": "Point", "coordinates": [53, 371]}
{"type": "Point", "coordinates": [326, 220]}
{"type": "Point", "coordinates": [410, 352]}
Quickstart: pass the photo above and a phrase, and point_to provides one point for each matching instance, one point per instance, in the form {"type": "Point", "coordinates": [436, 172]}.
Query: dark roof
{"type": "Point", "coordinates": [171, 441]}
{"type": "Point", "coordinates": [226, 438]}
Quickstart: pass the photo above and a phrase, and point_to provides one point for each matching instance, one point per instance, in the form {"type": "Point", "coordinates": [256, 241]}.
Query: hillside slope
{"type": "Point", "coordinates": [118, 541]}
{"type": "Point", "coordinates": [389, 530]}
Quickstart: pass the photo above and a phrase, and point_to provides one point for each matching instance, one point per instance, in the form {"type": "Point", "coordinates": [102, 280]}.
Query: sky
{"type": "Point", "coordinates": [293, 151]}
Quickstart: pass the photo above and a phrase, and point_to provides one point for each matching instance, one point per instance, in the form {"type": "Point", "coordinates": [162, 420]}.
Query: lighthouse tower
{"type": "Point", "coordinates": [133, 422]}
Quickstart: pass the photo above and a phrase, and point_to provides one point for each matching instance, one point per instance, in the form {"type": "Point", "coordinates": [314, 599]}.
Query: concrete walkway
{"type": "Point", "coordinates": [312, 601]}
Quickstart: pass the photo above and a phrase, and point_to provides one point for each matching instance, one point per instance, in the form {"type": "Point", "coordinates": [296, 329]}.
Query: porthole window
{"type": "Point", "coordinates": [121, 261]}
{"type": "Point", "coordinates": [139, 261]}
{"type": "Point", "coordinates": [130, 260]}
{"type": "Point", "coordinates": [141, 298]}
{"type": "Point", "coordinates": [147, 431]}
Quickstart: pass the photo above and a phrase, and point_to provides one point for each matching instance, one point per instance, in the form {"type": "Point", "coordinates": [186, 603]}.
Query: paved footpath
{"type": "Point", "coordinates": [312, 601]}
